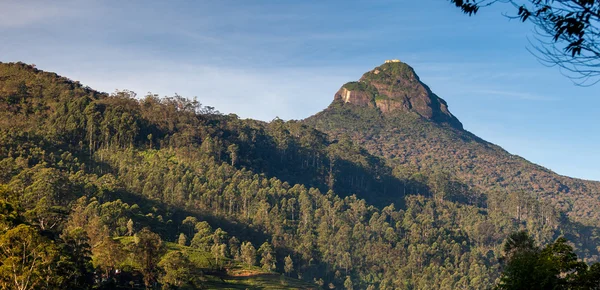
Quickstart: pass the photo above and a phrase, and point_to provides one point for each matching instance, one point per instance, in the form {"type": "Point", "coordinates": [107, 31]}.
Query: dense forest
{"type": "Point", "coordinates": [105, 191]}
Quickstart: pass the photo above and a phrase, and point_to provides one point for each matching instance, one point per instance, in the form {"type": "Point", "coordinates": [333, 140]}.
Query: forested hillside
{"type": "Point", "coordinates": [421, 147]}
{"type": "Point", "coordinates": [112, 190]}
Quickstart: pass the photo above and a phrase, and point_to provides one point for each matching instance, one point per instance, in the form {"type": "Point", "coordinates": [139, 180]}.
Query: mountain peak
{"type": "Point", "coordinates": [394, 87]}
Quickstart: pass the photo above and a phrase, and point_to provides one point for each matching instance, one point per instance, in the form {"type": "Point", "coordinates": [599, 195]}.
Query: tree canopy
{"type": "Point", "coordinates": [567, 32]}
{"type": "Point", "coordinates": [138, 188]}
{"type": "Point", "coordinates": [555, 266]}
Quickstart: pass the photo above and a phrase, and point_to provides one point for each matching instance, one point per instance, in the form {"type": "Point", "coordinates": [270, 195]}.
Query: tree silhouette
{"type": "Point", "coordinates": [567, 33]}
{"type": "Point", "coordinates": [555, 266]}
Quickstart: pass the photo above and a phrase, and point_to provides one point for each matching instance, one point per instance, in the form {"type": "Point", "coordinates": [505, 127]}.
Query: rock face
{"type": "Point", "coordinates": [356, 97]}
{"type": "Point", "coordinates": [395, 87]}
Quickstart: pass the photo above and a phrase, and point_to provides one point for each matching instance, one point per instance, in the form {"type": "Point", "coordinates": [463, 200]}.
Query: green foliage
{"type": "Point", "coordinates": [28, 260]}
{"type": "Point", "coordinates": [148, 247]}
{"type": "Point", "coordinates": [8, 216]}
{"type": "Point", "coordinates": [288, 265]}
{"type": "Point", "coordinates": [381, 98]}
{"type": "Point", "coordinates": [75, 264]}
{"type": "Point", "coordinates": [477, 172]}
{"type": "Point", "coordinates": [248, 253]}
{"type": "Point", "coordinates": [120, 180]}
{"type": "Point", "coordinates": [219, 251]}
{"type": "Point", "coordinates": [267, 257]}
{"type": "Point", "coordinates": [554, 266]}
{"type": "Point", "coordinates": [389, 72]}
{"type": "Point", "coordinates": [108, 255]}
{"type": "Point", "coordinates": [360, 86]}
{"type": "Point", "coordinates": [348, 283]}
{"type": "Point", "coordinates": [178, 270]}
{"type": "Point", "coordinates": [567, 31]}
{"type": "Point", "coordinates": [182, 240]}
{"type": "Point", "coordinates": [203, 239]}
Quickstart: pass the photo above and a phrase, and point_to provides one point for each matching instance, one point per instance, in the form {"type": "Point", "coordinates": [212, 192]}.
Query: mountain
{"type": "Point", "coordinates": [395, 87]}
{"type": "Point", "coordinates": [384, 189]}
{"type": "Point", "coordinates": [392, 114]}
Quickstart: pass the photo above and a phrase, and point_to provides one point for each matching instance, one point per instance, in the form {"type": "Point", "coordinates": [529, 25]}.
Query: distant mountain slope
{"type": "Point", "coordinates": [393, 115]}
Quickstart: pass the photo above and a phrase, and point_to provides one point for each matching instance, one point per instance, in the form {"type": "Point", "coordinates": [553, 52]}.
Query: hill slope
{"type": "Point", "coordinates": [81, 169]}
{"type": "Point", "coordinates": [426, 138]}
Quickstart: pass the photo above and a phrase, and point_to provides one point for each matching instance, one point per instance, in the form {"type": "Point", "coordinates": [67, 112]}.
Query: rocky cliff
{"type": "Point", "coordinates": [395, 87]}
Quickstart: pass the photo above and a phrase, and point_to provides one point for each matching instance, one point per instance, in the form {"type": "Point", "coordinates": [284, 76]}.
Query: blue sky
{"type": "Point", "coordinates": [262, 59]}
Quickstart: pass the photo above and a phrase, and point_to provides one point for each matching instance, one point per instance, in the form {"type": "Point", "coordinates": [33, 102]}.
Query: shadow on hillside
{"type": "Point", "coordinates": [314, 167]}
{"type": "Point", "coordinates": [175, 214]}
{"type": "Point", "coordinates": [171, 214]}
{"type": "Point", "coordinates": [379, 191]}
{"type": "Point", "coordinates": [586, 238]}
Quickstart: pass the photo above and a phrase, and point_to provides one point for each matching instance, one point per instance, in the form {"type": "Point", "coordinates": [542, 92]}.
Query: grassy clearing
{"type": "Point", "coordinates": [258, 281]}
{"type": "Point", "coordinates": [234, 276]}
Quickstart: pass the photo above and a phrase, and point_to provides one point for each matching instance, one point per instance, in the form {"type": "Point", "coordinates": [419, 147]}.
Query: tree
{"type": "Point", "coordinates": [233, 150]}
{"type": "Point", "coordinates": [28, 259]}
{"type": "Point", "coordinates": [288, 265]}
{"type": "Point", "coordinates": [47, 196]}
{"type": "Point", "coordinates": [517, 243]}
{"type": "Point", "coordinates": [182, 240]}
{"type": "Point", "coordinates": [177, 269]}
{"type": "Point", "coordinates": [8, 215]}
{"type": "Point", "coordinates": [556, 266]}
{"type": "Point", "coordinates": [148, 248]}
{"type": "Point", "coordinates": [267, 260]}
{"type": "Point", "coordinates": [591, 279]}
{"type": "Point", "coordinates": [203, 237]}
{"type": "Point", "coordinates": [567, 32]}
{"type": "Point", "coordinates": [108, 254]}
{"type": "Point", "coordinates": [563, 262]}
{"type": "Point", "coordinates": [219, 236]}
{"type": "Point", "coordinates": [348, 283]}
{"type": "Point", "coordinates": [149, 137]}
{"type": "Point", "coordinates": [440, 184]}
{"type": "Point", "coordinates": [248, 253]}
{"type": "Point", "coordinates": [218, 251]}
{"type": "Point", "coordinates": [234, 248]}
{"type": "Point", "coordinates": [75, 263]}
{"type": "Point", "coordinates": [130, 227]}
{"type": "Point", "coordinates": [523, 271]}
{"type": "Point", "coordinates": [189, 223]}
